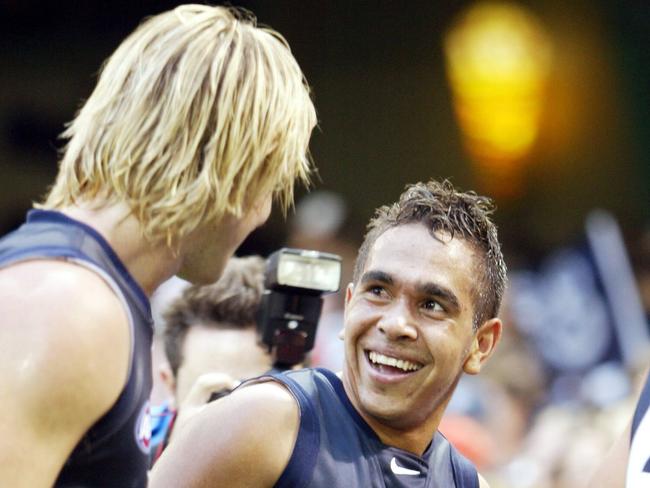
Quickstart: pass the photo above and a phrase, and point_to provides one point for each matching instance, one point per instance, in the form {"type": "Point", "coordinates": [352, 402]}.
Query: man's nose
{"type": "Point", "coordinates": [397, 323]}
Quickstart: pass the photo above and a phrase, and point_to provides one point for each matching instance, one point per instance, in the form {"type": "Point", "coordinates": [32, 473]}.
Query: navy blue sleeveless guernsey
{"type": "Point", "coordinates": [114, 451]}
{"type": "Point", "coordinates": [337, 448]}
{"type": "Point", "coordinates": [638, 468]}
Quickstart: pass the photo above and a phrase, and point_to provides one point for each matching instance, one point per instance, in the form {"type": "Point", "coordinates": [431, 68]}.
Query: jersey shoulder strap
{"type": "Point", "coordinates": [303, 459]}
{"type": "Point", "coordinates": [465, 474]}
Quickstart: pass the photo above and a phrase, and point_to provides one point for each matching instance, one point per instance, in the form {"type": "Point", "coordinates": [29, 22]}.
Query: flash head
{"type": "Point", "coordinates": [306, 270]}
{"type": "Point", "coordinates": [295, 280]}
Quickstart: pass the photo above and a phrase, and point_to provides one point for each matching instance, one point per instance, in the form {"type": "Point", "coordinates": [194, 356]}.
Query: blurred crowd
{"type": "Point", "coordinates": [564, 380]}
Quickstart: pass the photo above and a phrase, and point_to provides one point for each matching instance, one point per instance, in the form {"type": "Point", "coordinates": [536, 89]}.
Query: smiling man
{"type": "Point", "coordinates": [421, 311]}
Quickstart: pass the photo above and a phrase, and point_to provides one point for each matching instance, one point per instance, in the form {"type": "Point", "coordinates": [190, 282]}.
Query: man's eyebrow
{"type": "Point", "coordinates": [438, 291]}
{"type": "Point", "coordinates": [380, 276]}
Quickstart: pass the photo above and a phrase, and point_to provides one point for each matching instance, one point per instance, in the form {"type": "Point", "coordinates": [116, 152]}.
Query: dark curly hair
{"type": "Point", "coordinates": [229, 303]}
{"type": "Point", "coordinates": [442, 208]}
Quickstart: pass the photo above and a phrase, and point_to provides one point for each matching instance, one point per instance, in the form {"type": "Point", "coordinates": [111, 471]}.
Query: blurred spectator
{"type": "Point", "coordinates": [161, 299]}
{"type": "Point", "coordinates": [210, 342]}
{"type": "Point", "coordinates": [627, 460]}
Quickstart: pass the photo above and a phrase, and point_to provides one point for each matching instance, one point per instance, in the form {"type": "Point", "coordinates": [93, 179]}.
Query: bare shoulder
{"type": "Point", "coordinates": [244, 439]}
{"type": "Point", "coordinates": [65, 352]}
{"type": "Point", "coordinates": [62, 312]}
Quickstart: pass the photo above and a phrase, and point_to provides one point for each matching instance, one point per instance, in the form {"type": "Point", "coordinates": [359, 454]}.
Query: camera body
{"type": "Point", "coordinates": [295, 282]}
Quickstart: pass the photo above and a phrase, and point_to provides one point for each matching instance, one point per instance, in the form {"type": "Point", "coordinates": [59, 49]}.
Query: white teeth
{"type": "Point", "coordinates": [402, 364]}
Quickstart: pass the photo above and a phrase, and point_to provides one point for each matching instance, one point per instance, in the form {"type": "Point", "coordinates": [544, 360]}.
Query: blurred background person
{"type": "Point", "coordinates": [210, 342]}
{"type": "Point", "coordinates": [161, 300]}
{"type": "Point", "coordinates": [627, 463]}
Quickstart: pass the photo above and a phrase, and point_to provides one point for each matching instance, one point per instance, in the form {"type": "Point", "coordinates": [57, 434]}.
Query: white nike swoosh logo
{"type": "Point", "coordinates": [400, 470]}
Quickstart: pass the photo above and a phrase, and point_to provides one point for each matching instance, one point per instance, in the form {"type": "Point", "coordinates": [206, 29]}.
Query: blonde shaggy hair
{"type": "Point", "coordinates": [198, 112]}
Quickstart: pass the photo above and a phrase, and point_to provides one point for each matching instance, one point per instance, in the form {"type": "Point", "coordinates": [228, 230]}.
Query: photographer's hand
{"type": "Point", "coordinates": [198, 396]}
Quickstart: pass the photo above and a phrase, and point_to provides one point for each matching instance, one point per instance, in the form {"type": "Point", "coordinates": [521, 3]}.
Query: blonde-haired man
{"type": "Point", "coordinates": [197, 121]}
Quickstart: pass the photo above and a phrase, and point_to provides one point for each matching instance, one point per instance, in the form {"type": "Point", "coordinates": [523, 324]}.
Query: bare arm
{"type": "Point", "coordinates": [242, 440]}
{"type": "Point", "coordinates": [612, 470]}
{"type": "Point", "coordinates": [64, 349]}
{"type": "Point", "coordinates": [481, 482]}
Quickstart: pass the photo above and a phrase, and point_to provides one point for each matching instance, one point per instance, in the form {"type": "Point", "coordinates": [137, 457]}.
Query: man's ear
{"type": "Point", "coordinates": [348, 293]}
{"type": "Point", "coordinates": [483, 344]}
{"type": "Point", "coordinates": [167, 377]}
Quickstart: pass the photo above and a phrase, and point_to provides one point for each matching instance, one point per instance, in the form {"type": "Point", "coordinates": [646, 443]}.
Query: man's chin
{"type": "Point", "coordinates": [202, 276]}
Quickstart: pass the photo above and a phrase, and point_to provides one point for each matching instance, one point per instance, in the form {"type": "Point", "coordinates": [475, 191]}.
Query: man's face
{"type": "Point", "coordinates": [408, 326]}
{"type": "Point", "coordinates": [208, 248]}
{"type": "Point", "coordinates": [234, 352]}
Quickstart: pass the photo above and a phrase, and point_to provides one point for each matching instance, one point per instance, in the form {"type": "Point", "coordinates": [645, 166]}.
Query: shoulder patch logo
{"type": "Point", "coordinates": [143, 428]}
{"type": "Point", "coordinates": [397, 469]}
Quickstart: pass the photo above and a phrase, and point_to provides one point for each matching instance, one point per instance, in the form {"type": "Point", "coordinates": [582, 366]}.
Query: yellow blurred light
{"type": "Point", "coordinates": [498, 59]}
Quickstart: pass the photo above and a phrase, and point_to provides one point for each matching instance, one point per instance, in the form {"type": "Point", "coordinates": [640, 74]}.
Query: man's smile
{"type": "Point", "coordinates": [391, 365]}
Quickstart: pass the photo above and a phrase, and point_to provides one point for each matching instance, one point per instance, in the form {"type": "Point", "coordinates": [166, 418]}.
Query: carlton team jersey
{"type": "Point", "coordinates": [336, 447]}
{"type": "Point", "coordinates": [114, 451]}
{"type": "Point", "coordinates": [638, 468]}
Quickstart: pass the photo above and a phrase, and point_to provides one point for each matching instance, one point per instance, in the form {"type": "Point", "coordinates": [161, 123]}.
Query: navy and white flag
{"type": "Point", "coordinates": [581, 308]}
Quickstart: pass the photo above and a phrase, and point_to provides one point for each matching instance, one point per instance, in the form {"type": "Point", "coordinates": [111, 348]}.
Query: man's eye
{"type": "Point", "coordinates": [377, 291]}
{"type": "Point", "coordinates": [432, 306]}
